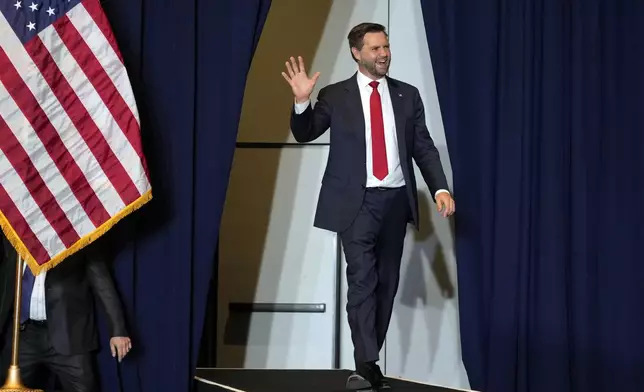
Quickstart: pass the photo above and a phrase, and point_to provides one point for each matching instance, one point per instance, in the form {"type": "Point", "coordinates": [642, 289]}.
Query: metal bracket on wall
{"type": "Point", "coordinates": [255, 307]}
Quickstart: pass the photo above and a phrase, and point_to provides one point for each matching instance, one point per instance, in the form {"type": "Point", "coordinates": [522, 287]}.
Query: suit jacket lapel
{"type": "Point", "coordinates": [354, 104]}
{"type": "Point", "coordinates": [398, 103]}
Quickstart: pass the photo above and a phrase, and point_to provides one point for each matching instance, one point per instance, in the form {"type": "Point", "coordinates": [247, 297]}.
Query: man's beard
{"type": "Point", "coordinates": [376, 70]}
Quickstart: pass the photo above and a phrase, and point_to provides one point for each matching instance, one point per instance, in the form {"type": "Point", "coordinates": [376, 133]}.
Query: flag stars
{"type": "Point", "coordinates": [51, 11]}
{"type": "Point", "coordinates": [31, 26]}
{"type": "Point", "coordinates": [34, 7]}
{"type": "Point", "coordinates": [18, 4]}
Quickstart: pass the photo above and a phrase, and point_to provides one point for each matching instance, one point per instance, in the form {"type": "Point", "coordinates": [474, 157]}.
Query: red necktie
{"type": "Point", "coordinates": [378, 150]}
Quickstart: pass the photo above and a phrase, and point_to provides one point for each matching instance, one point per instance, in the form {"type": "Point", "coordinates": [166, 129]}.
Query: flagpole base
{"type": "Point", "coordinates": [14, 382]}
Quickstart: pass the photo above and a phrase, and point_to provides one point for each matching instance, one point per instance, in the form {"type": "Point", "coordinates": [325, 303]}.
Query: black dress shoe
{"type": "Point", "coordinates": [384, 385]}
{"type": "Point", "coordinates": [356, 382]}
{"type": "Point", "coordinates": [367, 377]}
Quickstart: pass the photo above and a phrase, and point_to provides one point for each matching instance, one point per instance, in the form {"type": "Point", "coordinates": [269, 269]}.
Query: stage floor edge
{"type": "Point", "coordinates": [273, 380]}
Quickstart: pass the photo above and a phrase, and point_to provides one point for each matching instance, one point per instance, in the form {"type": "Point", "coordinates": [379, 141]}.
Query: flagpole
{"type": "Point", "coordinates": [14, 381]}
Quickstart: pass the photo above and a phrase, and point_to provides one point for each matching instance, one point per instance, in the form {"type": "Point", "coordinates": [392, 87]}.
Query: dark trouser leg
{"type": "Point", "coordinates": [362, 243]}
{"type": "Point", "coordinates": [389, 250]}
{"type": "Point", "coordinates": [5, 352]}
{"type": "Point", "coordinates": [34, 345]}
{"type": "Point", "coordinates": [75, 372]}
{"type": "Point", "coordinates": [359, 243]}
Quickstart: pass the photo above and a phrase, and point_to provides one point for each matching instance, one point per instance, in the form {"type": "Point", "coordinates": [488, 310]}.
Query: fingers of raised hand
{"type": "Point", "coordinates": [301, 64]}
{"type": "Point", "coordinates": [290, 70]}
{"type": "Point", "coordinates": [295, 67]}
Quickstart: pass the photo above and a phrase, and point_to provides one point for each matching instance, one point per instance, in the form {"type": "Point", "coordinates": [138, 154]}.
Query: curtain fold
{"type": "Point", "coordinates": [541, 103]}
{"type": "Point", "coordinates": [188, 62]}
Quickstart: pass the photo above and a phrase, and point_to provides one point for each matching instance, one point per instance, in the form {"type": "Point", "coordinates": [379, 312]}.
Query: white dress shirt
{"type": "Point", "coordinates": [394, 178]}
{"type": "Point", "coordinates": [38, 309]}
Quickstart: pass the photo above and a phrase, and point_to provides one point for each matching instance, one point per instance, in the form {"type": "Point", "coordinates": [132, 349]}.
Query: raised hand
{"type": "Point", "coordinates": [299, 81]}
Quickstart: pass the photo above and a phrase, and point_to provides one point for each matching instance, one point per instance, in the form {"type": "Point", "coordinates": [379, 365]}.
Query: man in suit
{"type": "Point", "coordinates": [369, 192]}
{"type": "Point", "coordinates": [57, 326]}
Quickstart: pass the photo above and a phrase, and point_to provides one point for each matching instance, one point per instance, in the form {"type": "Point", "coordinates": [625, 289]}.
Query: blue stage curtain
{"type": "Point", "coordinates": [543, 107]}
{"type": "Point", "coordinates": [188, 62]}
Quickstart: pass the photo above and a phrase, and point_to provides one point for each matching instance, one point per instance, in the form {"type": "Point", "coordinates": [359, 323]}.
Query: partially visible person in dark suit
{"type": "Point", "coordinates": [58, 331]}
{"type": "Point", "coordinates": [369, 194]}
{"type": "Point", "coordinates": [7, 282]}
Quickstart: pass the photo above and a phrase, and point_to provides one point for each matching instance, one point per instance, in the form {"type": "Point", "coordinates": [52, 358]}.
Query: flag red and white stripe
{"type": "Point", "coordinates": [71, 160]}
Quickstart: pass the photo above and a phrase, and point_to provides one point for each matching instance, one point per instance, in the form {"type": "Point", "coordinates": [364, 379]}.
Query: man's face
{"type": "Point", "coordinates": [375, 56]}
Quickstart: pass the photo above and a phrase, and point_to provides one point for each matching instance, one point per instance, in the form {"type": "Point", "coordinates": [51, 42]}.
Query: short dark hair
{"type": "Point", "coordinates": [356, 35]}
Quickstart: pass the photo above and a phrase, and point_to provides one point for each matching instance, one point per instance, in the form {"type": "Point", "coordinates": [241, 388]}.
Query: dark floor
{"type": "Point", "coordinates": [245, 380]}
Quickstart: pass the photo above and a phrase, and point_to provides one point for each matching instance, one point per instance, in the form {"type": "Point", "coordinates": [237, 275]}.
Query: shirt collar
{"type": "Point", "coordinates": [363, 80]}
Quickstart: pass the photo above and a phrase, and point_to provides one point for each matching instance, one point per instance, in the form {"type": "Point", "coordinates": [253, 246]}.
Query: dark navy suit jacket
{"type": "Point", "coordinates": [339, 108]}
{"type": "Point", "coordinates": [71, 289]}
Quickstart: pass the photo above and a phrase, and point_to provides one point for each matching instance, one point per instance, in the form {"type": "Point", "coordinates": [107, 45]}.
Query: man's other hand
{"type": "Point", "coordinates": [445, 204]}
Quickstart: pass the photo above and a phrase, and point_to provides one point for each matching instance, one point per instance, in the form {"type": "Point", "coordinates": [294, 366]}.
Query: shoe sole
{"type": "Point", "coordinates": [358, 383]}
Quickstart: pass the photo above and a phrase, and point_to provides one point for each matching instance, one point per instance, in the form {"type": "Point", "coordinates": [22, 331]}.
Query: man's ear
{"type": "Point", "coordinates": [356, 53]}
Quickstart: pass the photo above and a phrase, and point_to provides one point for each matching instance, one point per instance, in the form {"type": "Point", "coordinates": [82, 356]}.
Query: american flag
{"type": "Point", "coordinates": [71, 161]}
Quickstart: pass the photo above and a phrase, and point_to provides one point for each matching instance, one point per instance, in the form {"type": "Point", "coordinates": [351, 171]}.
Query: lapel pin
{"type": "Point", "coordinates": [399, 94]}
